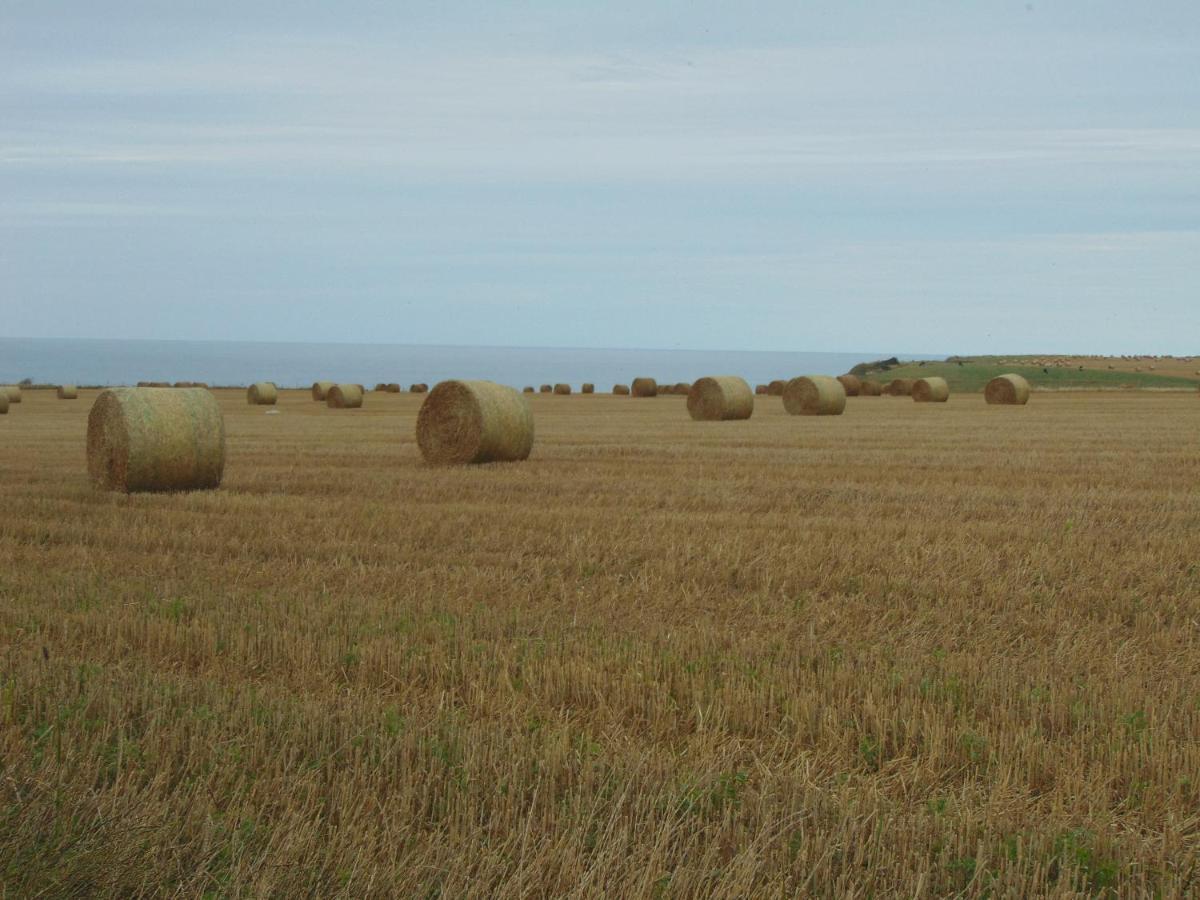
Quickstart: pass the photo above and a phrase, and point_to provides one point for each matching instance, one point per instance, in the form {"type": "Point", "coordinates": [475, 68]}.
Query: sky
{"type": "Point", "coordinates": [951, 177]}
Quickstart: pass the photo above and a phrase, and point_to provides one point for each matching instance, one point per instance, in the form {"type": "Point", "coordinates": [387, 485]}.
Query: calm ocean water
{"type": "Point", "coordinates": [54, 361]}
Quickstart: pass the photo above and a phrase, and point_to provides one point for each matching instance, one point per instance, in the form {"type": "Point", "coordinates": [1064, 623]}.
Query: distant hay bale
{"type": "Point", "coordinates": [869, 388]}
{"type": "Point", "coordinates": [899, 387]}
{"type": "Point", "coordinates": [682, 388]}
{"type": "Point", "coordinates": [720, 398]}
{"type": "Point", "coordinates": [814, 395]}
{"type": "Point", "coordinates": [320, 389]}
{"type": "Point", "coordinates": [760, 389]}
{"type": "Point", "coordinates": [546, 389]}
{"type": "Point", "coordinates": [464, 422]}
{"type": "Point", "coordinates": [851, 383]}
{"type": "Point", "coordinates": [419, 388]}
{"type": "Point", "coordinates": [588, 388]}
{"type": "Point", "coordinates": [345, 396]}
{"type": "Point", "coordinates": [13, 392]}
{"type": "Point", "coordinates": [621, 390]}
{"type": "Point", "coordinates": [3, 403]}
{"type": "Point", "coordinates": [562, 388]}
{"type": "Point", "coordinates": [930, 390]}
{"type": "Point", "coordinates": [68, 392]}
{"type": "Point", "coordinates": [262, 393]}
{"type": "Point", "coordinates": [775, 388]}
{"type": "Point", "coordinates": [528, 389]}
{"type": "Point", "coordinates": [644, 387]}
{"type": "Point", "coordinates": [1007, 389]}
{"type": "Point", "coordinates": [381, 388]}
{"type": "Point", "coordinates": [149, 439]}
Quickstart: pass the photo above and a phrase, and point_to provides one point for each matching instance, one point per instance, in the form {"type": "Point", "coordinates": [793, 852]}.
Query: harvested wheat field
{"type": "Point", "coordinates": [897, 652]}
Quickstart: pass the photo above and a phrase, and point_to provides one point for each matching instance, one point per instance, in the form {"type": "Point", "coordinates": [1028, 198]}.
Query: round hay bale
{"type": "Point", "coordinates": [682, 388]}
{"type": "Point", "coordinates": [562, 389]}
{"type": "Point", "coordinates": [345, 396]}
{"type": "Point", "coordinates": [262, 393]}
{"type": "Point", "coordinates": [1012, 390]}
{"type": "Point", "coordinates": [775, 388]}
{"type": "Point", "coordinates": [869, 388]}
{"type": "Point", "coordinates": [320, 389]}
{"type": "Point", "coordinates": [149, 439]}
{"type": "Point", "coordinates": [644, 387]}
{"type": "Point", "coordinates": [930, 390]}
{"type": "Point", "coordinates": [546, 389]}
{"type": "Point", "coordinates": [528, 389]}
{"type": "Point", "coordinates": [588, 388]}
{"type": "Point", "coordinates": [13, 393]}
{"type": "Point", "coordinates": [760, 389]}
{"type": "Point", "coordinates": [720, 398]}
{"type": "Point", "coordinates": [899, 387]}
{"type": "Point", "coordinates": [419, 388]}
{"type": "Point", "coordinates": [464, 422]}
{"type": "Point", "coordinates": [814, 395]}
{"type": "Point", "coordinates": [851, 383]}
{"type": "Point", "coordinates": [3, 403]}
{"type": "Point", "coordinates": [68, 392]}
{"type": "Point", "coordinates": [621, 390]}
{"type": "Point", "coordinates": [381, 388]}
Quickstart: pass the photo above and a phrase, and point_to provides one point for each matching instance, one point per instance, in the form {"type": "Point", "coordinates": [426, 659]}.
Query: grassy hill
{"type": "Point", "coordinates": [972, 376]}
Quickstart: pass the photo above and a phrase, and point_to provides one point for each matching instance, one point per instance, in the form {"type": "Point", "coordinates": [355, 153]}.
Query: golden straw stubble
{"type": "Point", "coordinates": [720, 398]}
{"type": "Point", "coordinates": [814, 395]}
{"type": "Point", "coordinates": [464, 422]}
{"type": "Point", "coordinates": [1012, 390]}
{"type": "Point", "coordinates": [345, 396]}
{"type": "Point", "coordinates": [262, 393]}
{"type": "Point", "coordinates": [156, 439]}
{"type": "Point", "coordinates": [930, 390]}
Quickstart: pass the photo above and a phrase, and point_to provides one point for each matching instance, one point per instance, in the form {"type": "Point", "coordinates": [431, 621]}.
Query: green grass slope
{"type": "Point", "coordinates": [970, 377]}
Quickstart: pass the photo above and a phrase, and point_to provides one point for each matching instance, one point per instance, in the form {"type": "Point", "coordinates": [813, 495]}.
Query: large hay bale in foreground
{"type": "Point", "coordinates": [621, 390]}
{"type": "Point", "coordinates": [588, 388]}
{"type": "Point", "coordinates": [262, 393]}
{"type": "Point", "coordinates": [563, 389]}
{"type": "Point", "coordinates": [720, 398]}
{"type": "Point", "coordinates": [644, 387]}
{"type": "Point", "coordinates": [899, 387]}
{"type": "Point", "coordinates": [1007, 389]}
{"type": "Point", "coordinates": [814, 395]}
{"type": "Point", "coordinates": [345, 396]}
{"type": "Point", "coordinates": [13, 392]}
{"type": "Point", "coordinates": [150, 439]}
{"type": "Point", "coordinates": [474, 422]}
{"type": "Point", "coordinates": [869, 388]}
{"type": "Point", "coordinates": [930, 390]}
{"type": "Point", "coordinates": [67, 392]}
{"type": "Point", "coordinates": [851, 383]}
{"type": "Point", "coordinates": [775, 388]}
{"type": "Point", "coordinates": [320, 389]}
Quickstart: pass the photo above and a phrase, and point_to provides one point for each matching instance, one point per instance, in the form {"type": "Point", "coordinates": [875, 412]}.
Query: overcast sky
{"type": "Point", "coordinates": [926, 177]}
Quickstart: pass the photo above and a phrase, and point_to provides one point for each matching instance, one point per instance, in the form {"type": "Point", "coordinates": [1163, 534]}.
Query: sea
{"type": "Point", "coordinates": [238, 363]}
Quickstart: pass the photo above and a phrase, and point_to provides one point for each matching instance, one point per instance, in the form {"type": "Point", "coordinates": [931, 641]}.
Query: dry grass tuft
{"type": "Point", "coordinates": [720, 398]}
{"type": "Point", "coordinates": [1012, 390]}
{"type": "Point", "coordinates": [814, 395]}
{"type": "Point", "coordinates": [474, 422]}
{"type": "Point", "coordinates": [151, 439]}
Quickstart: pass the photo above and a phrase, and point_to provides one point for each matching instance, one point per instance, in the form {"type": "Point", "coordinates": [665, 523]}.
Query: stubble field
{"type": "Point", "coordinates": [913, 650]}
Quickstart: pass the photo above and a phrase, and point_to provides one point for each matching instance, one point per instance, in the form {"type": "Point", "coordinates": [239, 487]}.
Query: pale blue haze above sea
{"type": "Point", "coordinates": [113, 362]}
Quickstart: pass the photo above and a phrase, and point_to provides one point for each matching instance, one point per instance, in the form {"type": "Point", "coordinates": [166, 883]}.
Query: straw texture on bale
{"type": "Point", "coordinates": [150, 439]}
{"type": "Point", "coordinates": [262, 393]}
{"type": "Point", "coordinates": [588, 388]}
{"type": "Point", "coordinates": [320, 389]}
{"type": "Point", "coordinates": [775, 388]}
{"type": "Point", "coordinates": [621, 390]}
{"type": "Point", "coordinates": [68, 392]}
{"type": "Point", "coordinates": [644, 387]}
{"type": "Point", "coordinates": [419, 388]}
{"type": "Point", "coordinates": [345, 396]}
{"type": "Point", "coordinates": [1007, 389]}
{"type": "Point", "coordinates": [3, 403]}
{"type": "Point", "coordinates": [562, 388]}
{"type": "Point", "coordinates": [546, 389]}
{"type": "Point", "coordinates": [814, 395]}
{"type": "Point", "coordinates": [13, 391]}
{"type": "Point", "coordinates": [930, 390]}
{"type": "Point", "coordinates": [720, 398]}
{"type": "Point", "coordinates": [464, 422]}
{"type": "Point", "coordinates": [852, 384]}
{"type": "Point", "coordinates": [869, 388]}
{"type": "Point", "coordinates": [899, 387]}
